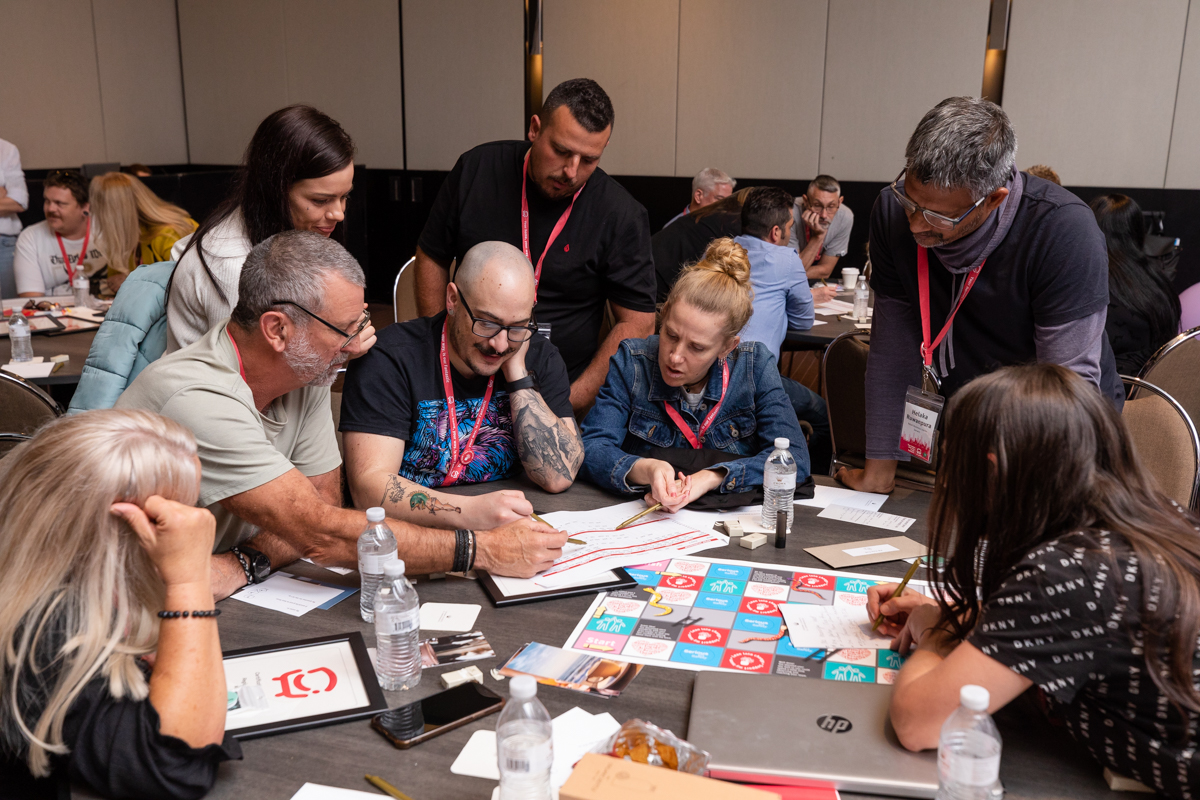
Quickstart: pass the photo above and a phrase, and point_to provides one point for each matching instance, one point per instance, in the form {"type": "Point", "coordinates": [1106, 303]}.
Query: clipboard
{"type": "Point", "coordinates": [607, 582]}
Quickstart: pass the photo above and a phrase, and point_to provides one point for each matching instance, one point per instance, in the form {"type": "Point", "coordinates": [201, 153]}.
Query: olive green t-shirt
{"type": "Point", "coordinates": [201, 387]}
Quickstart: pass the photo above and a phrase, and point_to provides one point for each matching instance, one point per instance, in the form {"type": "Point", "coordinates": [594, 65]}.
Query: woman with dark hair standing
{"type": "Point", "coordinates": [297, 174]}
{"type": "Point", "coordinates": [1072, 572]}
{"type": "Point", "coordinates": [1143, 308]}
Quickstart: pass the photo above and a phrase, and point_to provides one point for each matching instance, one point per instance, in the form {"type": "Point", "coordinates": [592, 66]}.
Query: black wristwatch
{"type": "Point", "coordinates": [528, 382]}
{"type": "Point", "coordinates": [254, 563]}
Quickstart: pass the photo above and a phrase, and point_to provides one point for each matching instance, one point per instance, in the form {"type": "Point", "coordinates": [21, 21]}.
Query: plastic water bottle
{"type": "Point", "coordinates": [779, 485]}
{"type": "Point", "coordinates": [524, 747]}
{"type": "Point", "coordinates": [969, 751]}
{"type": "Point", "coordinates": [81, 287]}
{"type": "Point", "coordinates": [862, 298]}
{"type": "Point", "coordinates": [397, 630]}
{"type": "Point", "coordinates": [18, 334]}
{"type": "Point", "coordinates": [376, 547]}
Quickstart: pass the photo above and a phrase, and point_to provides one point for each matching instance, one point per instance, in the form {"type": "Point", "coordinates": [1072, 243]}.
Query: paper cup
{"type": "Point", "coordinates": [849, 279]}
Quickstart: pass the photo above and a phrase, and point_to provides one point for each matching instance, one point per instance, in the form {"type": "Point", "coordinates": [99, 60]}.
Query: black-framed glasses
{"type": "Point", "coordinates": [361, 325]}
{"type": "Point", "coordinates": [936, 220]}
{"type": "Point", "coordinates": [486, 328]}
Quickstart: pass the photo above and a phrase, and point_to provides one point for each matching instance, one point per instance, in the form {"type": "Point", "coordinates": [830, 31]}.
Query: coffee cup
{"type": "Point", "coordinates": [849, 279]}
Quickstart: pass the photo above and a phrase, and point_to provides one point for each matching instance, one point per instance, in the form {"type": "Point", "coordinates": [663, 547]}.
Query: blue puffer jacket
{"type": "Point", "coordinates": [133, 334]}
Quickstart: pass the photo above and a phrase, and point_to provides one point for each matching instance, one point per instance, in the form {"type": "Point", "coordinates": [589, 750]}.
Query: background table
{"type": "Point", "coordinates": [76, 345]}
{"type": "Point", "coordinates": [1038, 761]}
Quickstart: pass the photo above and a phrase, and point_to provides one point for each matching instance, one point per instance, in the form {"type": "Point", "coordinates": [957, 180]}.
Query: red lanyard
{"type": "Point", "coordinates": [82, 253]}
{"type": "Point", "coordinates": [238, 353]}
{"type": "Point", "coordinates": [694, 439]}
{"type": "Point", "coordinates": [457, 463]}
{"type": "Point", "coordinates": [558, 226]}
{"type": "Point", "coordinates": [927, 347]}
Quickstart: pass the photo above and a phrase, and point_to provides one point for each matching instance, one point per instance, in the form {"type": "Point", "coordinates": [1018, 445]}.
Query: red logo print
{"type": "Point", "coordinates": [294, 679]}
{"type": "Point", "coordinates": [566, 248]}
{"type": "Point", "coordinates": [767, 608]}
{"type": "Point", "coordinates": [680, 581]}
{"type": "Point", "coordinates": [812, 581]}
{"type": "Point", "coordinates": [745, 661]}
{"type": "Point", "coordinates": [701, 634]}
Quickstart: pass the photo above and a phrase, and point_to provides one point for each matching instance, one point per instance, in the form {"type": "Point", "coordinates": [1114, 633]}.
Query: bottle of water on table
{"type": "Point", "coordinates": [969, 751]}
{"type": "Point", "coordinates": [397, 630]}
{"type": "Point", "coordinates": [18, 335]}
{"type": "Point", "coordinates": [862, 299]}
{"type": "Point", "coordinates": [81, 288]}
{"type": "Point", "coordinates": [524, 746]}
{"type": "Point", "coordinates": [779, 485]}
{"type": "Point", "coordinates": [376, 547]}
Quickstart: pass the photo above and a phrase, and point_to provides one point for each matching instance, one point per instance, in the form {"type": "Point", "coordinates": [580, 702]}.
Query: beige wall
{"type": "Point", "coordinates": [1183, 163]}
{"type": "Point", "coordinates": [631, 48]}
{"type": "Point", "coordinates": [750, 82]}
{"type": "Point", "coordinates": [1090, 87]}
{"type": "Point", "coordinates": [462, 82]}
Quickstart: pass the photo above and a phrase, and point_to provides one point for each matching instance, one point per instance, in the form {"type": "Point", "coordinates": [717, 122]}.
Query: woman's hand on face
{"type": "Point", "coordinates": [882, 599]}
{"type": "Point", "coordinates": [178, 538]}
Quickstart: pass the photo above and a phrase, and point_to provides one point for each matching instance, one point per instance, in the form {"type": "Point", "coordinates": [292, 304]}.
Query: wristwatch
{"type": "Point", "coordinates": [528, 382]}
{"type": "Point", "coordinates": [254, 563]}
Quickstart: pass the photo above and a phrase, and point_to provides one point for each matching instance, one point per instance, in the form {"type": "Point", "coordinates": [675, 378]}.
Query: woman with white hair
{"type": "Point", "coordinates": [112, 674]}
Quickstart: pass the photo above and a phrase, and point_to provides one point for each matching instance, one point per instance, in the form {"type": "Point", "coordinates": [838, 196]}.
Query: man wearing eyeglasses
{"type": "Point", "coordinates": [975, 266]}
{"type": "Point", "coordinates": [469, 395]}
{"type": "Point", "coordinates": [821, 227]}
{"type": "Point", "coordinates": [254, 392]}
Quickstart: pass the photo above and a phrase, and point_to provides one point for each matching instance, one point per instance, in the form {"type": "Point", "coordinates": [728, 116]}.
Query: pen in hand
{"type": "Point", "coordinates": [912, 570]}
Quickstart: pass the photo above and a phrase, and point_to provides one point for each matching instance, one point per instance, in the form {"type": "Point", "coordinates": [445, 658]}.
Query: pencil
{"type": "Point", "coordinates": [912, 570]}
{"type": "Point", "coordinates": [539, 519]}
{"type": "Point", "coordinates": [639, 515]}
{"type": "Point", "coordinates": [382, 785]}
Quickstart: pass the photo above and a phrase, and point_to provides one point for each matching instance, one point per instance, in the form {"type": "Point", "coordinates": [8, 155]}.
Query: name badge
{"type": "Point", "coordinates": [919, 432]}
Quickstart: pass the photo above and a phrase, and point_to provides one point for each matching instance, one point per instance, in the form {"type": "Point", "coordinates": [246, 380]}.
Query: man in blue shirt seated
{"type": "Point", "coordinates": [783, 300]}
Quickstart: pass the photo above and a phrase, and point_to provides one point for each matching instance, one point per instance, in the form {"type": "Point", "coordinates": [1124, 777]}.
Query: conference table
{"type": "Point", "coordinates": [1039, 762]}
{"type": "Point", "coordinates": [76, 345]}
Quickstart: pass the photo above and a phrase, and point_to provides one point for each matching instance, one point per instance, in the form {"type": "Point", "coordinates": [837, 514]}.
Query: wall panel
{"type": "Point", "coordinates": [1183, 164]}
{"type": "Point", "coordinates": [50, 98]}
{"type": "Point", "coordinates": [886, 64]}
{"type": "Point", "coordinates": [631, 48]}
{"type": "Point", "coordinates": [464, 68]}
{"type": "Point", "coordinates": [1090, 87]}
{"type": "Point", "coordinates": [138, 52]}
{"type": "Point", "coordinates": [750, 83]}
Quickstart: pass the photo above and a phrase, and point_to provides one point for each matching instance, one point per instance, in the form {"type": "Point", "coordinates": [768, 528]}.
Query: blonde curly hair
{"type": "Point", "coordinates": [719, 283]}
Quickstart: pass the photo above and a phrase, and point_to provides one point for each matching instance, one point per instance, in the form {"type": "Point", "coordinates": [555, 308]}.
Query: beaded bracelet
{"type": "Point", "coordinates": [215, 612]}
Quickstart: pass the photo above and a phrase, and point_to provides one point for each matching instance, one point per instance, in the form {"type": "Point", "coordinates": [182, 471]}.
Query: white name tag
{"type": "Point", "coordinates": [918, 433]}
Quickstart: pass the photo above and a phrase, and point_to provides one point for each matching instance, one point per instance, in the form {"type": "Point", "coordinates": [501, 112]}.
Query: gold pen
{"type": "Point", "coordinates": [382, 785]}
{"type": "Point", "coordinates": [539, 519]}
{"type": "Point", "coordinates": [900, 590]}
{"type": "Point", "coordinates": [639, 515]}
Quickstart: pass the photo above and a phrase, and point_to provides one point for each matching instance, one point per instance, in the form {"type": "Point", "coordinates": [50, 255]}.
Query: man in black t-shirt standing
{"type": "Point", "coordinates": [1021, 259]}
{"type": "Point", "coordinates": [468, 395]}
{"type": "Point", "coordinates": [587, 237]}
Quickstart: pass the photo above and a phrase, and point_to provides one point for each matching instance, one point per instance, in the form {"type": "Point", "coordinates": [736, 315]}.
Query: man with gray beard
{"type": "Point", "coordinates": [254, 392]}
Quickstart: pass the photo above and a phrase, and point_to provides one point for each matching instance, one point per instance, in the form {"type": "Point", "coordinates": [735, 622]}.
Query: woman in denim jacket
{"type": "Point", "coordinates": [694, 385]}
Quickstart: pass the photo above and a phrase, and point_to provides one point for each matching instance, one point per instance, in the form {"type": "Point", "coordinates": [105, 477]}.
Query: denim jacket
{"type": "Point", "coordinates": [628, 418]}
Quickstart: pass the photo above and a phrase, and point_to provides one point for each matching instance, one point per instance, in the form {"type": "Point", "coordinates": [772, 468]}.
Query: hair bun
{"type": "Point", "coordinates": [727, 256]}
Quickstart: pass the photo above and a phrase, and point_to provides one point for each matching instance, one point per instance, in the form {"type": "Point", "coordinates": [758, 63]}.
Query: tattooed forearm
{"type": "Point", "coordinates": [393, 492]}
{"type": "Point", "coordinates": [419, 498]}
{"type": "Point", "coordinates": [550, 448]}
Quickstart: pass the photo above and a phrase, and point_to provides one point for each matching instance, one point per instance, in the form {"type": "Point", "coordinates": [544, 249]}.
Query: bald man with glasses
{"type": "Point", "coordinates": [468, 395]}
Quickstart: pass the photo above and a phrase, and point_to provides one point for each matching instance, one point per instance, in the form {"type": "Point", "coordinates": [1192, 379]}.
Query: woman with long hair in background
{"type": "Point", "coordinates": [138, 226]}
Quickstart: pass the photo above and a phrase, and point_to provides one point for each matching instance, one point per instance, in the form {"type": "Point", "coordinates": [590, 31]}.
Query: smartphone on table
{"type": "Point", "coordinates": [436, 714]}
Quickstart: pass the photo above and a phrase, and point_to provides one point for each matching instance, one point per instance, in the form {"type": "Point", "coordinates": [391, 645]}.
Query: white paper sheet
{"type": "Point", "coordinates": [840, 625]}
{"type": "Point", "coordinates": [515, 587]}
{"type": "Point", "coordinates": [283, 592]}
{"type": "Point", "coordinates": [450, 617]}
{"type": "Point", "coordinates": [30, 369]}
{"type": "Point", "coordinates": [315, 791]}
{"type": "Point", "coordinates": [860, 516]}
{"type": "Point", "coordinates": [836, 495]}
{"type": "Point", "coordinates": [817, 322]}
{"type": "Point", "coordinates": [338, 570]}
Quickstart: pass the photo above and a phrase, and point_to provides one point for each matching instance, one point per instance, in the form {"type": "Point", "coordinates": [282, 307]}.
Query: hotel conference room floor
{"type": "Point", "coordinates": [1039, 761]}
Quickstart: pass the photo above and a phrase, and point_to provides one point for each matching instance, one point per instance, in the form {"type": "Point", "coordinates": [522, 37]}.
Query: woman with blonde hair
{"type": "Point", "coordinates": [693, 409]}
{"type": "Point", "coordinates": [139, 227]}
{"type": "Point", "coordinates": [96, 573]}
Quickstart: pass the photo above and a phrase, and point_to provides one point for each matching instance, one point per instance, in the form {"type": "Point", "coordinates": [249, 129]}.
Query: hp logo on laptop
{"type": "Point", "coordinates": [834, 724]}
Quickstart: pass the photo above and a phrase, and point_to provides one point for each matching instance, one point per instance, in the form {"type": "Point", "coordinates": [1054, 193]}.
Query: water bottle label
{"type": "Point", "coordinates": [398, 622]}
{"type": "Point", "coordinates": [968, 770]}
{"type": "Point", "coordinates": [779, 482]}
{"type": "Point", "coordinates": [531, 760]}
{"type": "Point", "coordinates": [374, 564]}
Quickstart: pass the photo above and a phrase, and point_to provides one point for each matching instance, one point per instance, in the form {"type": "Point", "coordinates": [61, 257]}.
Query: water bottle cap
{"type": "Point", "coordinates": [782, 443]}
{"type": "Point", "coordinates": [375, 514]}
{"type": "Point", "coordinates": [974, 697]}
{"type": "Point", "coordinates": [522, 687]}
{"type": "Point", "coordinates": [394, 568]}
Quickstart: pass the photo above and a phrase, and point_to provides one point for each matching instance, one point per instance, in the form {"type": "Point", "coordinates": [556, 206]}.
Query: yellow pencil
{"type": "Point", "coordinates": [539, 519]}
{"type": "Point", "coordinates": [639, 515]}
{"type": "Point", "coordinates": [384, 786]}
{"type": "Point", "coordinates": [907, 577]}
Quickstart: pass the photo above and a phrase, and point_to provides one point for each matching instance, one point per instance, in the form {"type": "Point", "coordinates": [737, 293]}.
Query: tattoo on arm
{"type": "Point", "coordinates": [550, 448]}
{"type": "Point", "coordinates": [418, 498]}
{"type": "Point", "coordinates": [394, 491]}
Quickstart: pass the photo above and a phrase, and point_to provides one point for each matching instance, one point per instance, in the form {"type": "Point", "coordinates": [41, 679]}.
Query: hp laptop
{"type": "Point", "coordinates": [798, 731]}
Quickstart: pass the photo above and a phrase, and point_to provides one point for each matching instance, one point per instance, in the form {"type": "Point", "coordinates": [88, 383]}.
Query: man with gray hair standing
{"type": "Point", "coordinates": [709, 186]}
{"type": "Point", "coordinates": [254, 392]}
{"type": "Point", "coordinates": [975, 266]}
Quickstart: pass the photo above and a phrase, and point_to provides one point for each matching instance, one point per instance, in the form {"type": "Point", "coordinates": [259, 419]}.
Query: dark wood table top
{"type": "Point", "coordinates": [1039, 761]}
{"type": "Point", "coordinates": [76, 345]}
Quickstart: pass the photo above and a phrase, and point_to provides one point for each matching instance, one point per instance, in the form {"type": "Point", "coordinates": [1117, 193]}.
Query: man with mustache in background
{"type": "Point", "coordinates": [468, 395]}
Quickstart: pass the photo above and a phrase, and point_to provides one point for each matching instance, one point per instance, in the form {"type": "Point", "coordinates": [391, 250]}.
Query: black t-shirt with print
{"type": "Point", "coordinates": [1068, 619]}
{"type": "Point", "coordinates": [602, 254]}
{"type": "Point", "coordinates": [396, 390]}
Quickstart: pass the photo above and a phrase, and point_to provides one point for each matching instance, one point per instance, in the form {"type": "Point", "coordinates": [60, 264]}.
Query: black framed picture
{"type": "Point", "coordinates": [292, 686]}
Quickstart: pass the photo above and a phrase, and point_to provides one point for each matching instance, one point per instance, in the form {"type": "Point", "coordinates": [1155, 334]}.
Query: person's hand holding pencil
{"type": "Point", "coordinates": [889, 604]}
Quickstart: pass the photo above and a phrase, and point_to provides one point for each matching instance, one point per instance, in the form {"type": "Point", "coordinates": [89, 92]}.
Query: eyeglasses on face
{"type": "Point", "coordinates": [361, 325]}
{"type": "Point", "coordinates": [936, 220]}
{"type": "Point", "coordinates": [487, 329]}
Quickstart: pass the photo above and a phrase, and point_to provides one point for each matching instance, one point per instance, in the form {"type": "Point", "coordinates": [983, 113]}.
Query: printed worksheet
{"type": "Point", "coordinates": [842, 624]}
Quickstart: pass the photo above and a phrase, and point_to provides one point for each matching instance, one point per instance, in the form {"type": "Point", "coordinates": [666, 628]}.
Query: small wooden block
{"type": "Point", "coordinates": [1119, 783]}
{"type": "Point", "coordinates": [61, 357]}
{"type": "Point", "coordinates": [461, 676]}
{"type": "Point", "coordinates": [753, 540]}
{"type": "Point", "coordinates": [734, 529]}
